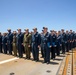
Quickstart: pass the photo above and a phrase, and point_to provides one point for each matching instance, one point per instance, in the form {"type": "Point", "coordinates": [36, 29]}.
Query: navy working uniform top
{"type": "Point", "coordinates": [71, 37]}
{"type": "Point", "coordinates": [0, 39]}
{"type": "Point", "coordinates": [67, 37]}
{"type": "Point", "coordinates": [64, 38]}
{"type": "Point", "coordinates": [20, 38]}
{"type": "Point", "coordinates": [45, 39]}
{"type": "Point", "coordinates": [4, 40]}
{"type": "Point", "coordinates": [59, 40]}
{"type": "Point", "coordinates": [9, 38]}
{"type": "Point", "coordinates": [53, 40]}
{"type": "Point", "coordinates": [36, 39]}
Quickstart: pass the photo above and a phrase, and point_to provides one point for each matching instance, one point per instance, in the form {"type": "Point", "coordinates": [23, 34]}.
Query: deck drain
{"type": "Point", "coordinates": [12, 73]}
{"type": "Point", "coordinates": [48, 71]}
{"type": "Point", "coordinates": [15, 61]}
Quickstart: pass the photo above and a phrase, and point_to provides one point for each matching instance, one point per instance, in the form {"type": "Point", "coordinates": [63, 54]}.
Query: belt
{"type": "Point", "coordinates": [44, 43]}
{"type": "Point", "coordinates": [26, 42]}
{"type": "Point", "coordinates": [33, 42]}
{"type": "Point", "coordinates": [14, 42]}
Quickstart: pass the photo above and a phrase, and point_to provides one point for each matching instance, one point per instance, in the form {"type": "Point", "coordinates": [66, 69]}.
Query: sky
{"type": "Point", "coordinates": [54, 14]}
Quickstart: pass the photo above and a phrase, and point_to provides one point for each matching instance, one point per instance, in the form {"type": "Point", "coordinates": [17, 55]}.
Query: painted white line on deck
{"type": "Point", "coordinates": [5, 61]}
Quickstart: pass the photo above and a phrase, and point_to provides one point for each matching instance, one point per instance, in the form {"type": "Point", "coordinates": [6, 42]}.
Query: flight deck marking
{"type": "Point", "coordinates": [5, 61]}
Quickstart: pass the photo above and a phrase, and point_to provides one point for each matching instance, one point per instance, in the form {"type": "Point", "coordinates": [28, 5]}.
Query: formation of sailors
{"type": "Point", "coordinates": [51, 44]}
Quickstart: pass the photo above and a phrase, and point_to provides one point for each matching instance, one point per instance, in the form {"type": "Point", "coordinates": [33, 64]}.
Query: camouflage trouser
{"type": "Point", "coordinates": [27, 51]}
{"type": "Point", "coordinates": [15, 49]}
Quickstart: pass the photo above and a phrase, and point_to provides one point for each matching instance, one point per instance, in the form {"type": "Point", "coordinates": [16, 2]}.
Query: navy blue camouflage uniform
{"type": "Point", "coordinates": [4, 44]}
{"type": "Point", "coordinates": [71, 40]}
{"type": "Point", "coordinates": [75, 40]}
{"type": "Point", "coordinates": [54, 44]}
{"type": "Point", "coordinates": [9, 42]}
{"type": "Point", "coordinates": [59, 44]}
{"type": "Point", "coordinates": [42, 46]}
{"type": "Point", "coordinates": [19, 44]}
{"type": "Point", "coordinates": [63, 42]}
{"type": "Point", "coordinates": [46, 43]}
{"type": "Point", "coordinates": [36, 41]}
{"type": "Point", "coordinates": [0, 43]}
{"type": "Point", "coordinates": [67, 42]}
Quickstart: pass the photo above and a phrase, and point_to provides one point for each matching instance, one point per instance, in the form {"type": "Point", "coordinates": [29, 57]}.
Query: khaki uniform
{"type": "Point", "coordinates": [15, 45]}
{"type": "Point", "coordinates": [27, 42]}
